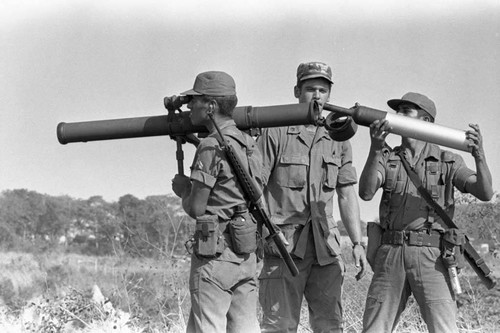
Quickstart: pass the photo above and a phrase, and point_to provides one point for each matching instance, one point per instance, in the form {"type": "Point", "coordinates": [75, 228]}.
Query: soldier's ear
{"type": "Point", "coordinates": [213, 106]}
{"type": "Point", "coordinates": [296, 91]}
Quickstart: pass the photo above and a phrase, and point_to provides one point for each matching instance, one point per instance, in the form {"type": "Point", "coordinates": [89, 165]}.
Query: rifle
{"type": "Point", "coordinates": [253, 194]}
{"type": "Point", "coordinates": [473, 258]}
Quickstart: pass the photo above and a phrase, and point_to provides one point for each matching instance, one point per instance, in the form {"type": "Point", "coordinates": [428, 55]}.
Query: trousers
{"type": "Point", "coordinates": [281, 294]}
{"type": "Point", "coordinates": [223, 294]}
{"type": "Point", "coordinates": [402, 270]}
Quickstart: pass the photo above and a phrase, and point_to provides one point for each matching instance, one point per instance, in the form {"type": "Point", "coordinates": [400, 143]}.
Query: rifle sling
{"type": "Point", "coordinates": [471, 253]}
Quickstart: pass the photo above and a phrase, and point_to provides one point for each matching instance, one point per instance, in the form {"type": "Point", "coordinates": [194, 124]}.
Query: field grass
{"type": "Point", "coordinates": [56, 292]}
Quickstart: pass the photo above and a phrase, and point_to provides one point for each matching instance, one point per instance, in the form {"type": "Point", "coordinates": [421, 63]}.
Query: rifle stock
{"type": "Point", "coordinates": [478, 264]}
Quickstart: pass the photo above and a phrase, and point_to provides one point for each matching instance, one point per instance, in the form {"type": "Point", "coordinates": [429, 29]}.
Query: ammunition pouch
{"type": "Point", "coordinates": [243, 231]}
{"type": "Point", "coordinates": [452, 250]}
{"type": "Point", "coordinates": [374, 232]}
{"type": "Point", "coordinates": [208, 240]}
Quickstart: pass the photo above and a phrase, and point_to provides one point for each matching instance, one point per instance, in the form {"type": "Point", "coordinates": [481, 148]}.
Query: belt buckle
{"type": "Point", "coordinates": [416, 238]}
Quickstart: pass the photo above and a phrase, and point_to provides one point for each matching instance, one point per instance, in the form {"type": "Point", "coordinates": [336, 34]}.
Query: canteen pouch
{"type": "Point", "coordinates": [451, 248]}
{"type": "Point", "coordinates": [243, 231]}
{"type": "Point", "coordinates": [206, 236]}
{"type": "Point", "coordinates": [374, 232]}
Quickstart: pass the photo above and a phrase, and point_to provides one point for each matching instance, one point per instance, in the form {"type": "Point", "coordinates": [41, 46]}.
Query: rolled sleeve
{"type": "Point", "coordinates": [267, 146]}
{"type": "Point", "coordinates": [347, 172]}
{"type": "Point", "coordinates": [203, 178]}
{"type": "Point", "coordinates": [347, 175]}
{"type": "Point", "coordinates": [461, 173]}
{"type": "Point", "coordinates": [205, 165]}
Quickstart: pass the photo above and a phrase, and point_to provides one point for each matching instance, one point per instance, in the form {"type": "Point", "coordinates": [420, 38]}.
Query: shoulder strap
{"type": "Point", "coordinates": [477, 263]}
{"type": "Point", "coordinates": [425, 194]}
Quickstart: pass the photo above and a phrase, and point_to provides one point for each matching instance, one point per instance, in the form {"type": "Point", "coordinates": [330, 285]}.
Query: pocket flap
{"type": "Point", "coordinates": [294, 159]}
{"type": "Point", "coordinates": [332, 160]}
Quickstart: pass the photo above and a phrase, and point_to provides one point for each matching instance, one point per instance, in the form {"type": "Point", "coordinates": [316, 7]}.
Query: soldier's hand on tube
{"type": "Point", "coordinates": [475, 139]}
{"type": "Point", "coordinates": [379, 130]}
{"type": "Point", "coordinates": [174, 102]}
{"type": "Point", "coordinates": [192, 139]}
{"type": "Point", "coordinates": [358, 253]}
{"type": "Point", "coordinates": [181, 184]}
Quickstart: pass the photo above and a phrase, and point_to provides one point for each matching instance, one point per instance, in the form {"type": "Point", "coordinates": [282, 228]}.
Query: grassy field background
{"type": "Point", "coordinates": [57, 292]}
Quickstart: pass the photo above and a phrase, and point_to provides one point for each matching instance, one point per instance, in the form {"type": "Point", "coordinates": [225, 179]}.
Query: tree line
{"type": "Point", "coordinates": [151, 227]}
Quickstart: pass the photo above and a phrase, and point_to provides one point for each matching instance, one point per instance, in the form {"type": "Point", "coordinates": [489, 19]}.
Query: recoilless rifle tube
{"type": "Point", "coordinates": [245, 117]}
{"type": "Point", "coordinates": [341, 124]}
{"type": "Point", "coordinates": [404, 126]}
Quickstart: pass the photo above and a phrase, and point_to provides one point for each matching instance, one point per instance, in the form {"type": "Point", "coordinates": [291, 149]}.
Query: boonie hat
{"type": "Point", "coordinates": [419, 100]}
{"type": "Point", "coordinates": [314, 69]}
{"type": "Point", "coordinates": [213, 83]}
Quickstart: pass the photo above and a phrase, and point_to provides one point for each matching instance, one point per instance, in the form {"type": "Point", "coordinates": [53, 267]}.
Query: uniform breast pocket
{"type": "Point", "coordinates": [292, 171]}
{"type": "Point", "coordinates": [331, 164]}
{"type": "Point", "coordinates": [398, 193]}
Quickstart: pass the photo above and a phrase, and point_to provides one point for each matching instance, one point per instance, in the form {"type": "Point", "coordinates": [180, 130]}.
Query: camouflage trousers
{"type": "Point", "coordinates": [402, 270]}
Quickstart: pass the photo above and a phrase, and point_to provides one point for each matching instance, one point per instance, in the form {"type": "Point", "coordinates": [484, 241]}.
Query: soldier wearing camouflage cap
{"type": "Point", "coordinates": [409, 258]}
{"type": "Point", "coordinates": [303, 168]}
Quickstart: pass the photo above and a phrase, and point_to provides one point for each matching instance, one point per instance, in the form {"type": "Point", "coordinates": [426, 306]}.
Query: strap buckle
{"type": "Point", "coordinates": [416, 238]}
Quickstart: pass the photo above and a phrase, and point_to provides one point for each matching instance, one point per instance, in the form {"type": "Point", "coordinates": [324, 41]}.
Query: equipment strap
{"type": "Point", "coordinates": [477, 263]}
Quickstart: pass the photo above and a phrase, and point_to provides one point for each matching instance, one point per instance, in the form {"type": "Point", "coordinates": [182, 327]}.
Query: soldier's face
{"type": "Point", "coordinates": [410, 110]}
{"type": "Point", "coordinates": [313, 90]}
{"type": "Point", "coordinates": [198, 107]}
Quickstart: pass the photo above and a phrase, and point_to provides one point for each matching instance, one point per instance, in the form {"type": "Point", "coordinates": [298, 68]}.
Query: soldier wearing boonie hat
{"type": "Point", "coordinates": [303, 168]}
{"type": "Point", "coordinates": [212, 83]}
{"type": "Point", "coordinates": [222, 279]}
{"type": "Point", "coordinates": [408, 259]}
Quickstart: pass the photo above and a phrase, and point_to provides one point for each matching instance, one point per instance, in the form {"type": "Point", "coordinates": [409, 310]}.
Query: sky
{"type": "Point", "coordinates": [72, 61]}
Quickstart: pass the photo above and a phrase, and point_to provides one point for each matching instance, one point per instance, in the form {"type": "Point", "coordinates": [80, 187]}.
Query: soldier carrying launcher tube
{"type": "Point", "coordinates": [416, 247]}
{"type": "Point", "coordinates": [223, 264]}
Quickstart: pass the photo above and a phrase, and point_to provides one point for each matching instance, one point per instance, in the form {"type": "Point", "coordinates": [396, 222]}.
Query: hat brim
{"type": "Point", "coordinates": [316, 76]}
{"type": "Point", "coordinates": [395, 103]}
{"type": "Point", "coordinates": [190, 92]}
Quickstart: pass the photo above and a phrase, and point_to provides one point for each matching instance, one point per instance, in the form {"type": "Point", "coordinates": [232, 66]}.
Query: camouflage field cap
{"type": "Point", "coordinates": [419, 100]}
{"type": "Point", "coordinates": [213, 83]}
{"type": "Point", "coordinates": [314, 69]}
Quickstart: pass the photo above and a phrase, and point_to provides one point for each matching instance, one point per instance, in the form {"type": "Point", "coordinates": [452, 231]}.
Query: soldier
{"type": "Point", "coordinates": [222, 281]}
{"type": "Point", "coordinates": [409, 259]}
{"type": "Point", "coordinates": [303, 168]}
